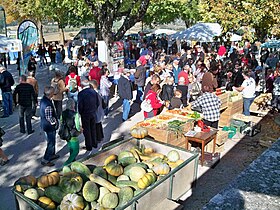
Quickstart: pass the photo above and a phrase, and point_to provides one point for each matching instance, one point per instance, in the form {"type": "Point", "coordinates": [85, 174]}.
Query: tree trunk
{"type": "Point", "coordinates": [61, 35]}
{"type": "Point", "coordinates": [40, 29]}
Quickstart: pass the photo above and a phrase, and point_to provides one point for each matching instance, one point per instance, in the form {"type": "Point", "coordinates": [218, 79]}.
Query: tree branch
{"type": "Point", "coordinates": [131, 20]}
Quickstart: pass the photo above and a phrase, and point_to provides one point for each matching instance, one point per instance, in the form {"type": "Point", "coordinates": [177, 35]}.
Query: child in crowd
{"type": "Point", "coordinates": [72, 119]}
{"type": "Point", "coordinates": [176, 101]}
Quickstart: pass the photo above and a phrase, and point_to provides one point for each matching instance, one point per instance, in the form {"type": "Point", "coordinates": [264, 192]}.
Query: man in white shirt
{"type": "Point", "coordinates": [248, 89]}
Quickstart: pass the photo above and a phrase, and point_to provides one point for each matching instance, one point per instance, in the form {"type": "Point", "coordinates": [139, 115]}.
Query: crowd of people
{"type": "Point", "coordinates": [163, 77]}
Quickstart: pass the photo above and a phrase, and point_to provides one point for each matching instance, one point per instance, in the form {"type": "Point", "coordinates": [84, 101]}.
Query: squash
{"type": "Point", "coordinates": [125, 195]}
{"type": "Point", "coordinates": [139, 132]}
{"type": "Point", "coordinates": [125, 183]}
{"type": "Point", "coordinates": [112, 179]}
{"type": "Point", "coordinates": [135, 173]}
{"type": "Point", "coordinates": [80, 168]}
{"type": "Point", "coordinates": [54, 193]}
{"type": "Point", "coordinates": [100, 172]}
{"type": "Point", "coordinates": [110, 159]}
{"type": "Point", "coordinates": [123, 177]}
{"type": "Point", "coordinates": [124, 154]}
{"type": "Point", "coordinates": [90, 191]}
{"type": "Point", "coordinates": [46, 203]}
{"type": "Point", "coordinates": [48, 180]}
{"type": "Point", "coordinates": [72, 201]}
{"type": "Point", "coordinates": [114, 169]}
{"type": "Point", "coordinates": [127, 161]}
{"type": "Point", "coordinates": [102, 192]}
{"type": "Point", "coordinates": [103, 182]}
{"type": "Point", "coordinates": [65, 170]}
{"type": "Point", "coordinates": [148, 179]}
{"type": "Point", "coordinates": [31, 194]}
{"type": "Point", "coordinates": [173, 156]}
{"type": "Point", "coordinates": [127, 169]}
{"type": "Point", "coordinates": [71, 182]}
{"type": "Point", "coordinates": [27, 180]}
{"type": "Point", "coordinates": [161, 169]}
{"type": "Point", "coordinates": [110, 200]}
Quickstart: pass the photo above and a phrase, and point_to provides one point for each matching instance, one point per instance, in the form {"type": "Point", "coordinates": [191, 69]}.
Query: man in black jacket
{"type": "Point", "coordinates": [26, 100]}
{"type": "Point", "coordinates": [87, 106]}
{"type": "Point", "coordinates": [140, 78]}
{"type": "Point", "coordinates": [125, 92]}
{"type": "Point", "coordinates": [6, 83]}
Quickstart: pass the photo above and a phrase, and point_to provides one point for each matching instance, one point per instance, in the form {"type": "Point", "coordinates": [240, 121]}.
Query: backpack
{"type": "Point", "coordinates": [68, 128]}
{"type": "Point", "coordinates": [72, 83]}
{"type": "Point", "coordinates": [54, 84]}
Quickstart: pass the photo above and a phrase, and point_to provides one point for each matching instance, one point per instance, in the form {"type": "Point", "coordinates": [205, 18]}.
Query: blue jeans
{"type": "Point", "coordinates": [106, 102]}
{"type": "Point", "coordinates": [126, 109]}
{"type": "Point", "coordinates": [246, 105]}
{"type": "Point", "coordinates": [7, 98]}
{"type": "Point", "coordinates": [50, 151]}
{"type": "Point", "coordinates": [139, 95]}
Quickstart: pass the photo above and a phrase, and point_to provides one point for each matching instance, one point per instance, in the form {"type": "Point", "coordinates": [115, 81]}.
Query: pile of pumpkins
{"type": "Point", "coordinates": [110, 186]}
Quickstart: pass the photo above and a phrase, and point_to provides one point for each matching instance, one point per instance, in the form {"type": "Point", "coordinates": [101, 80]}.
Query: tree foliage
{"type": "Point", "coordinates": [260, 15]}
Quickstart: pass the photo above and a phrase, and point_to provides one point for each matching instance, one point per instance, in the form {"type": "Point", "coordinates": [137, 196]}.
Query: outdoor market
{"type": "Point", "coordinates": [139, 105]}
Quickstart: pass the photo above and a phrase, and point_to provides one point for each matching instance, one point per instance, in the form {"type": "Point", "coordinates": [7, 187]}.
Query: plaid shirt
{"type": "Point", "coordinates": [210, 105]}
{"type": "Point", "coordinates": [276, 89]}
{"type": "Point", "coordinates": [48, 114]}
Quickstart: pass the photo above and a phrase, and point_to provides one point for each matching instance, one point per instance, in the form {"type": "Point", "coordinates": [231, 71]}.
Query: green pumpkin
{"type": "Point", "coordinates": [90, 191]}
{"type": "Point", "coordinates": [71, 182]}
{"type": "Point", "coordinates": [114, 169]}
{"type": "Point", "coordinates": [125, 195]}
{"type": "Point", "coordinates": [54, 193]}
{"type": "Point", "coordinates": [110, 201]}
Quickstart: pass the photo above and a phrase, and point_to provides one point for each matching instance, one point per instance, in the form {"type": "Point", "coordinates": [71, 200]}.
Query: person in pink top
{"type": "Point", "coordinates": [185, 73]}
{"type": "Point", "coordinates": [153, 97]}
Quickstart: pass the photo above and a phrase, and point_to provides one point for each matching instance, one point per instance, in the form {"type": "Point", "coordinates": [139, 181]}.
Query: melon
{"type": "Point", "coordinates": [90, 191]}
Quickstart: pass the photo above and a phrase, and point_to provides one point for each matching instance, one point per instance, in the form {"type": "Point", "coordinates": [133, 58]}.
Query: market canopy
{"type": "Point", "coordinates": [271, 44]}
{"type": "Point", "coordinates": [164, 31]}
{"type": "Point", "coordinates": [10, 45]}
{"type": "Point", "coordinates": [202, 32]}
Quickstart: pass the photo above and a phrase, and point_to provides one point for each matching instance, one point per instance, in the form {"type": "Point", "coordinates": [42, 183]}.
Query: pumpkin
{"type": "Point", "coordinates": [31, 194]}
{"type": "Point", "coordinates": [48, 180]}
{"type": "Point", "coordinates": [72, 201]}
{"type": "Point", "coordinates": [90, 191]}
{"type": "Point", "coordinates": [102, 191]}
{"type": "Point", "coordinates": [71, 182]}
{"type": "Point", "coordinates": [161, 169]}
{"type": "Point", "coordinates": [110, 201]}
{"type": "Point", "coordinates": [114, 169]}
{"type": "Point", "coordinates": [46, 203]}
{"type": "Point", "coordinates": [100, 172]}
{"type": "Point", "coordinates": [125, 195]}
{"type": "Point", "coordinates": [136, 173]}
{"type": "Point", "coordinates": [173, 156]}
{"type": "Point", "coordinates": [123, 177]}
{"type": "Point", "coordinates": [110, 159]}
{"type": "Point", "coordinates": [148, 179]}
{"type": "Point", "coordinates": [139, 132]}
{"type": "Point", "coordinates": [80, 168]}
{"type": "Point", "coordinates": [25, 183]}
{"type": "Point", "coordinates": [124, 154]}
{"type": "Point", "coordinates": [54, 193]}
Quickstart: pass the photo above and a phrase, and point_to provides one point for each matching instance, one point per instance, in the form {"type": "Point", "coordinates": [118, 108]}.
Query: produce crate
{"type": "Point", "coordinates": [224, 99]}
{"type": "Point", "coordinates": [172, 186]}
{"type": "Point", "coordinates": [233, 108]}
{"type": "Point", "coordinates": [222, 137]}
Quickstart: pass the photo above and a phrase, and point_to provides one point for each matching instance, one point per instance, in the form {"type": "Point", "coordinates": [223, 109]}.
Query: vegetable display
{"type": "Point", "coordinates": [112, 185]}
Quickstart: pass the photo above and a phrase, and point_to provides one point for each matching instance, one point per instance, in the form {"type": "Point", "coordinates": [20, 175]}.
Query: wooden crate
{"type": "Point", "coordinates": [233, 108]}
{"type": "Point", "coordinates": [209, 147]}
{"type": "Point", "coordinates": [224, 99]}
{"type": "Point", "coordinates": [222, 137]}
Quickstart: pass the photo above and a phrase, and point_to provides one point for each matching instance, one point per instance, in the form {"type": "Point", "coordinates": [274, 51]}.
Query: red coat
{"type": "Point", "coordinates": [155, 102]}
{"type": "Point", "coordinates": [95, 74]}
{"type": "Point", "coordinates": [185, 75]}
{"type": "Point", "coordinates": [72, 75]}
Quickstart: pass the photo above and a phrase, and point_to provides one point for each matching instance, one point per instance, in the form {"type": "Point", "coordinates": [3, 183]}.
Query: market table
{"type": "Point", "coordinates": [203, 138]}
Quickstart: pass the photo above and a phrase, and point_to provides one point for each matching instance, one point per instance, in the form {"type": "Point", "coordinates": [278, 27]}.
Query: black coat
{"type": "Point", "coordinates": [140, 76]}
{"type": "Point", "coordinates": [167, 92]}
{"type": "Point", "coordinates": [88, 102]}
{"type": "Point", "coordinates": [125, 88]}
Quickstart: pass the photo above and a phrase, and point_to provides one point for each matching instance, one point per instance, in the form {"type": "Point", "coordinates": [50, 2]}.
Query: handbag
{"type": "Point", "coordinates": [146, 105]}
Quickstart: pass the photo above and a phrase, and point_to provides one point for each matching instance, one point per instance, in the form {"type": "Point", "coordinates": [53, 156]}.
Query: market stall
{"type": "Point", "coordinates": [130, 174]}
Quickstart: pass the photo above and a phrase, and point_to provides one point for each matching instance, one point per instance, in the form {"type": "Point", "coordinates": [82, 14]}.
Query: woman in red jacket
{"type": "Point", "coordinates": [153, 97]}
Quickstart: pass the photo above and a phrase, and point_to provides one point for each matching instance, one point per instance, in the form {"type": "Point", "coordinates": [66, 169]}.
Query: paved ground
{"type": "Point", "coordinates": [26, 151]}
